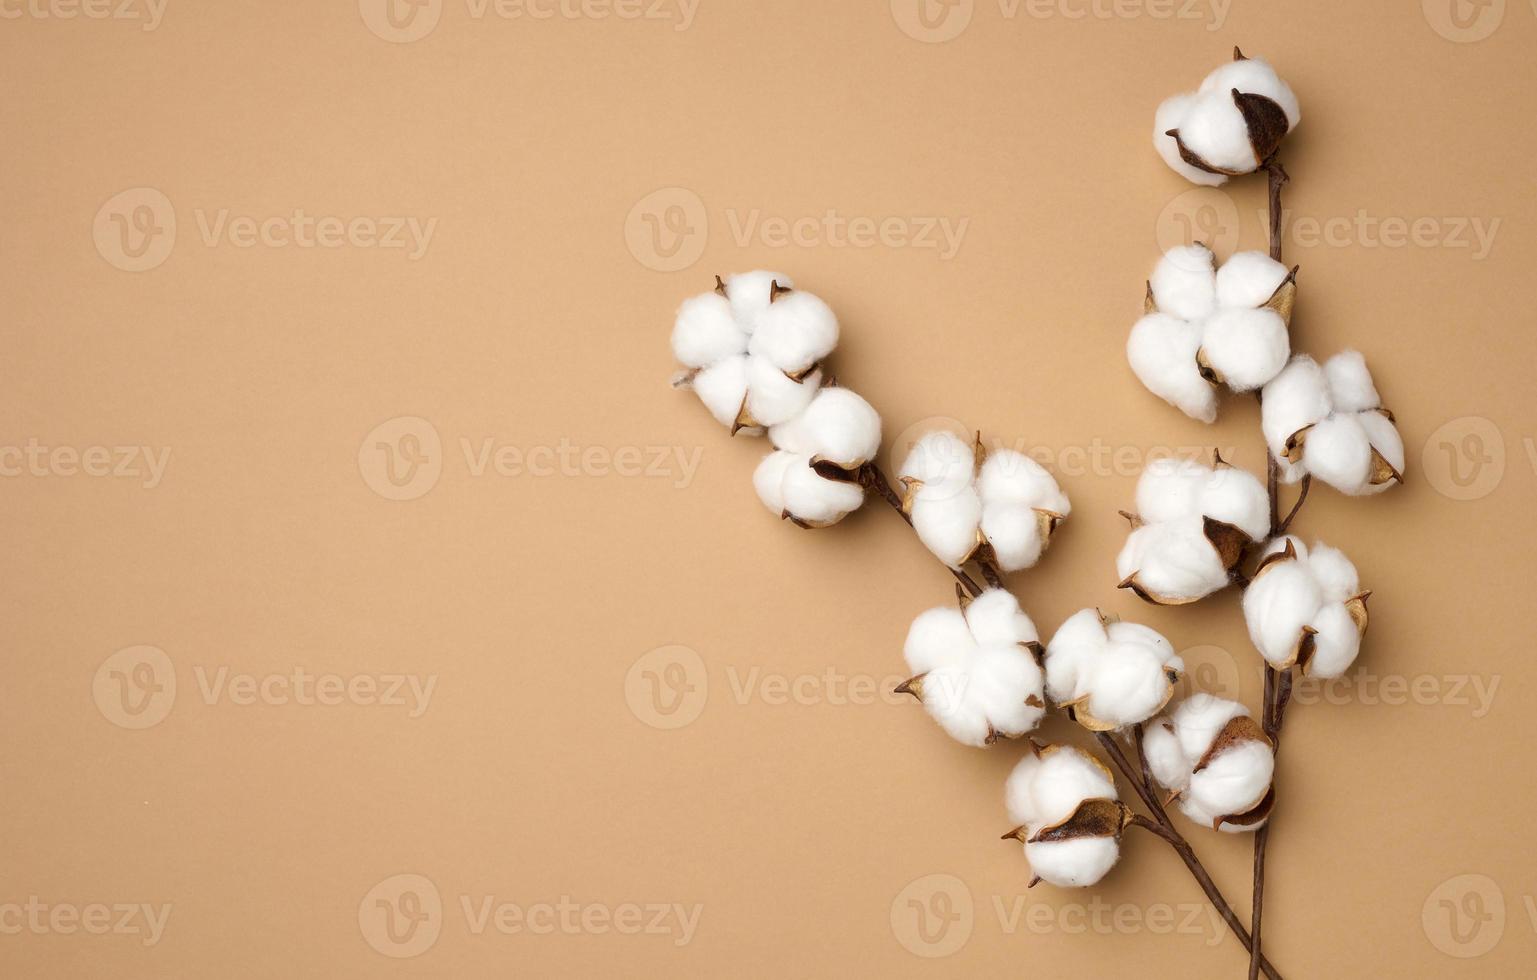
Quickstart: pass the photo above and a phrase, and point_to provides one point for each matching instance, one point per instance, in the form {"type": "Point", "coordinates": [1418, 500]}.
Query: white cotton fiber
{"type": "Point", "coordinates": [1338, 452]}
{"type": "Point", "coordinates": [942, 462]}
{"type": "Point", "coordinates": [1183, 282]}
{"type": "Point", "coordinates": [1295, 399]}
{"type": "Point", "coordinates": [1009, 476]}
{"type": "Point", "coordinates": [947, 526]}
{"type": "Point", "coordinates": [1350, 383]}
{"type": "Point", "coordinates": [1170, 113]}
{"type": "Point", "coordinates": [705, 332]}
{"type": "Point", "coordinates": [1249, 279]}
{"type": "Point", "coordinates": [1162, 352]}
{"type": "Point", "coordinates": [1170, 487]}
{"type": "Point", "coordinates": [1246, 347]}
{"type": "Point", "coordinates": [769, 478]}
{"type": "Point", "coordinates": [1235, 496]}
{"type": "Point", "coordinates": [1212, 783]}
{"type": "Point", "coordinates": [837, 426]}
{"type": "Point", "coordinates": [1045, 790]}
{"type": "Point", "coordinates": [788, 486]}
{"type": "Point", "coordinates": [723, 387]}
{"type": "Point", "coordinates": [774, 397]}
{"type": "Point", "coordinates": [1173, 561]}
{"type": "Point", "coordinates": [1169, 556]}
{"type": "Point", "coordinates": [1308, 593]}
{"type": "Point", "coordinates": [1114, 676]}
{"type": "Point", "coordinates": [973, 673]}
{"type": "Point", "coordinates": [748, 293]}
{"type": "Point", "coordinates": [1215, 130]}
{"type": "Point", "coordinates": [794, 332]}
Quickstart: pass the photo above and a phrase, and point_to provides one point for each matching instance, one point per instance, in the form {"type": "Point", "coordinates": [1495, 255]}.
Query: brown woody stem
{"type": "Point", "coordinates": [871, 478]}
{"type": "Point", "coordinates": [1164, 827]}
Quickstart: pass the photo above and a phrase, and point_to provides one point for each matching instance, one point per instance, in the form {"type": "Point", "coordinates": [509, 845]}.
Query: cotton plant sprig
{"type": "Point", "coordinates": [980, 670]}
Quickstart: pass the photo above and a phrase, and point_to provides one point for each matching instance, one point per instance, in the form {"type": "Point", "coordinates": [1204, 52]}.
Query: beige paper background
{"type": "Point", "coordinates": [538, 317]}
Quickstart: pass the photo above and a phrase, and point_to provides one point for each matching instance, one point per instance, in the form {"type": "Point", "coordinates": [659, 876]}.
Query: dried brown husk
{"type": "Point", "coordinates": [1254, 815]}
{"type": "Point", "coordinates": [1238, 730]}
{"type": "Point", "coordinates": [1098, 817]}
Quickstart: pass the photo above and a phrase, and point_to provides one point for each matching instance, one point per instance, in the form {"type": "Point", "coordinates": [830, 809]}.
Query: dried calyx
{"type": "Point", "coordinates": [1191, 528]}
{"type": "Point", "coordinates": [966, 503]}
{"type": "Point", "coordinates": [1068, 816]}
{"type": "Point", "coordinates": [1216, 761]}
{"type": "Point", "coordinates": [977, 669]}
{"type": "Point", "coordinates": [1109, 674]}
{"type": "Point", "coordinates": [1231, 126]}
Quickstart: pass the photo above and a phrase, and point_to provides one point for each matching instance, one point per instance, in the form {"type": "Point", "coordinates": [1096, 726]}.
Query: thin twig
{"type": "Point", "coordinates": [1302, 495]}
{"type": "Point", "coordinates": [1165, 829]}
{"type": "Point", "coordinates": [990, 573]}
{"type": "Point", "coordinates": [871, 477]}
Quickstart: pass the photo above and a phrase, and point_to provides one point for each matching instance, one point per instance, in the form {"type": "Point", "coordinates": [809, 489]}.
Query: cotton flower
{"type": "Point", "coordinates": [1070, 819]}
{"type": "Point", "coordinates": [1329, 421]}
{"type": "Point", "coordinates": [1192, 525]}
{"type": "Point", "coordinates": [977, 671]}
{"type": "Point", "coordinates": [752, 349]}
{"type": "Point", "coordinates": [1110, 673]}
{"type": "Point", "coordinates": [813, 477]}
{"type": "Point", "coordinates": [966, 502]}
{"type": "Point", "coordinates": [1230, 126]}
{"type": "Point", "coordinates": [1203, 326]}
{"type": "Point", "coordinates": [1306, 607]}
{"type": "Point", "coordinates": [1216, 760]}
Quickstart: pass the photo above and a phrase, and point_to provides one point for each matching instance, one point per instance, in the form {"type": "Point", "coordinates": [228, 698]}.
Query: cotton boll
{"type": "Point", "coordinates": [723, 387]}
{"type": "Point", "coordinates": [938, 637]}
{"type": "Point", "coordinates": [1350, 383]}
{"type": "Point", "coordinates": [1234, 496]}
{"type": "Point", "coordinates": [748, 293]}
{"type": "Point", "coordinates": [774, 397]}
{"type": "Point", "coordinates": [945, 698]}
{"type": "Point", "coordinates": [1277, 606]}
{"type": "Point", "coordinates": [995, 619]}
{"type": "Point", "coordinates": [795, 331]}
{"type": "Point", "coordinates": [1246, 347]}
{"type": "Point", "coordinates": [1293, 400]}
{"type": "Point", "coordinates": [942, 463]}
{"type": "Point", "coordinates": [1005, 688]}
{"type": "Point", "coordinates": [1073, 863]}
{"type": "Point", "coordinates": [705, 332]}
{"type": "Point", "coordinates": [1162, 352]}
{"type": "Point", "coordinates": [1384, 438]}
{"type": "Point", "coordinates": [1235, 780]}
{"type": "Point", "coordinates": [1249, 279]}
{"type": "Point", "coordinates": [838, 426]}
{"type": "Point", "coordinates": [948, 526]}
{"type": "Point", "coordinates": [1215, 130]}
{"type": "Point", "coordinates": [1256, 77]}
{"type": "Point", "coordinates": [1338, 452]}
{"type": "Point", "coordinates": [1170, 114]}
{"type": "Point", "coordinates": [1172, 562]}
{"type": "Point", "coordinates": [1164, 757]}
{"type": "Point", "coordinates": [1337, 643]}
{"type": "Point", "coordinates": [1183, 282]}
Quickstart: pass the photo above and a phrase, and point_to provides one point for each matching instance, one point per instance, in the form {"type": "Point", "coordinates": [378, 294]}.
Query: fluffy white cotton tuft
{"type": "Point", "coordinates": [752, 349]}
{"type": "Point", "coordinates": [1305, 606]}
{"type": "Point", "coordinates": [975, 672]}
{"type": "Point", "coordinates": [1213, 128]}
{"type": "Point", "coordinates": [1111, 674]}
{"type": "Point", "coordinates": [1011, 504]}
{"type": "Point", "coordinates": [1211, 753]}
{"type": "Point", "coordinates": [1329, 422]}
{"type": "Point", "coordinates": [1204, 319]}
{"type": "Point", "coordinates": [838, 426]}
{"type": "Point", "coordinates": [1045, 790]}
{"type": "Point", "coordinates": [791, 489]}
{"type": "Point", "coordinates": [1191, 523]}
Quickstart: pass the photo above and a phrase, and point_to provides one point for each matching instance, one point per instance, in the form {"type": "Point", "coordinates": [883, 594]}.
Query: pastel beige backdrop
{"type": "Point", "coordinates": [815, 826]}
